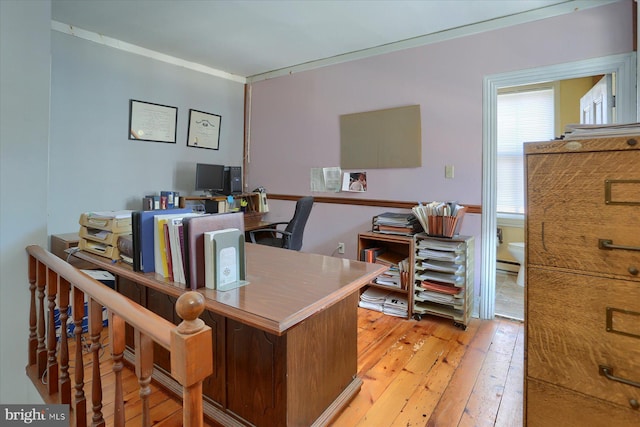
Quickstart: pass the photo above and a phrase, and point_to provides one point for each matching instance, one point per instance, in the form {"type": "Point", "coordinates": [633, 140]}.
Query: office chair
{"type": "Point", "coordinates": [291, 236]}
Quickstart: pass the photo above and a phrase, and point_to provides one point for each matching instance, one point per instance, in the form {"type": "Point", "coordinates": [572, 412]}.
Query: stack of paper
{"type": "Point", "coordinates": [396, 223]}
{"type": "Point", "coordinates": [373, 298]}
{"type": "Point", "coordinates": [580, 131]}
{"type": "Point", "coordinates": [396, 305]}
{"type": "Point", "coordinates": [387, 302]}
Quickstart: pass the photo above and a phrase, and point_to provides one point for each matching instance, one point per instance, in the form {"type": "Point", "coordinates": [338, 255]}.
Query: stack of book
{"type": "Point", "coordinates": [405, 224]}
{"type": "Point", "coordinates": [165, 200]}
{"type": "Point", "coordinates": [397, 273]}
{"type": "Point", "coordinates": [398, 269]}
{"type": "Point", "coordinates": [169, 247]}
{"type": "Point", "coordinates": [387, 302]}
{"type": "Point", "coordinates": [100, 231]}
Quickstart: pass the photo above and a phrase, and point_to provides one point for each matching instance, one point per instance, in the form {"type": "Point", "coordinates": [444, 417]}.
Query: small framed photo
{"type": "Point", "coordinates": [354, 181]}
{"type": "Point", "coordinates": [204, 130]}
{"type": "Point", "coordinates": [152, 122]}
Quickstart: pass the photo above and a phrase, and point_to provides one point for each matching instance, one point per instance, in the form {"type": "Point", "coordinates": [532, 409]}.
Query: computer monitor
{"type": "Point", "coordinates": [210, 178]}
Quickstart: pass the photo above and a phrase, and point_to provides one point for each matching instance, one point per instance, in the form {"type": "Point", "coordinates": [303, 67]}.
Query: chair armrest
{"type": "Point", "coordinates": [279, 223]}
{"type": "Point", "coordinates": [268, 230]}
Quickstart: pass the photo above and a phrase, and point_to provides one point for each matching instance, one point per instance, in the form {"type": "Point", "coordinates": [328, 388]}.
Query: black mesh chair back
{"type": "Point", "coordinates": [291, 236]}
{"type": "Point", "coordinates": [297, 224]}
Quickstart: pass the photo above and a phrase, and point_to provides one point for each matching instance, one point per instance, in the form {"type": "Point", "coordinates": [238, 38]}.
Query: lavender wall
{"type": "Point", "coordinates": [295, 118]}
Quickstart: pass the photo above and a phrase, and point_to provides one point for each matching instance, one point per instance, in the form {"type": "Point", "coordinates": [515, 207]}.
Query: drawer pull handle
{"type": "Point", "coordinates": [633, 271]}
{"type": "Point", "coordinates": [608, 244]}
{"type": "Point", "coordinates": [608, 372]}
{"type": "Point", "coordinates": [631, 142]}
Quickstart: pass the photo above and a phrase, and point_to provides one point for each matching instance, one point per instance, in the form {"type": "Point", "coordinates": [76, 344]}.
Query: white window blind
{"type": "Point", "coordinates": [523, 116]}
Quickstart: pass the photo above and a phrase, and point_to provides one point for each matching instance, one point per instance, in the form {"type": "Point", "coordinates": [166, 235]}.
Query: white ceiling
{"type": "Point", "coordinates": [253, 37]}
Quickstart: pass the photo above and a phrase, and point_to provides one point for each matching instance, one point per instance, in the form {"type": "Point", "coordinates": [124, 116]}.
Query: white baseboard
{"type": "Point", "coordinates": [507, 266]}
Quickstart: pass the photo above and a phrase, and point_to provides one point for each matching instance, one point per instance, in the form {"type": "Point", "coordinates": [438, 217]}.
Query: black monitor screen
{"type": "Point", "coordinates": [210, 178]}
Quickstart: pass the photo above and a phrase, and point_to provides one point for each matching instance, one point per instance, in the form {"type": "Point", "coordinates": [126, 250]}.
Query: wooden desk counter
{"type": "Point", "coordinates": [285, 345]}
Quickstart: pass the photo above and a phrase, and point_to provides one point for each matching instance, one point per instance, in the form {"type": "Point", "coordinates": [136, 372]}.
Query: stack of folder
{"type": "Point", "coordinates": [440, 219]}
{"type": "Point", "coordinates": [100, 231]}
{"type": "Point", "coordinates": [405, 224]}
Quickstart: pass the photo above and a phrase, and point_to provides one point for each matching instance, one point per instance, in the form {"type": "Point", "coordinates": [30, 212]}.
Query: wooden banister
{"type": "Point", "coordinates": [53, 283]}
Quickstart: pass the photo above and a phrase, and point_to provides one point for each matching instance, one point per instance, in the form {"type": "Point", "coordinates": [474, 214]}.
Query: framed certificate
{"type": "Point", "coordinates": [204, 130]}
{"type": "Point", "coordinates": [152, 122]}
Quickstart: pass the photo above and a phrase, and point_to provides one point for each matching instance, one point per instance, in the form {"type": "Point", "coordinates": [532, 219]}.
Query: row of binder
{"type": "Point", "coordinates": [185, 251]}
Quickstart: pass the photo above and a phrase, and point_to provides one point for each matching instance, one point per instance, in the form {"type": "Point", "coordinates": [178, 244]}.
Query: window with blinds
{"type": "Point", "coordinates": [523, 115]}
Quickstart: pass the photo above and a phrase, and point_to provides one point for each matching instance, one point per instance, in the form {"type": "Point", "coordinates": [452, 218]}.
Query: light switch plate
{"type": "Point", "coordinates": [448, 171]}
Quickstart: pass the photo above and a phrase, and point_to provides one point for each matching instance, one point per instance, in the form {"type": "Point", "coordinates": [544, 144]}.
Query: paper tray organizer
{"type": "Point", "coordinates": [97, 235]}
{"type": "Point", "coordinates": [101, 249]}
{"type": "Point", "coordinates": [114, 225]}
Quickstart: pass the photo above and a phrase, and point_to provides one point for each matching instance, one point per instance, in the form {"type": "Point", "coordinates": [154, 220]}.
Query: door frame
{"type": "Point", "coordinates": [623, 65]}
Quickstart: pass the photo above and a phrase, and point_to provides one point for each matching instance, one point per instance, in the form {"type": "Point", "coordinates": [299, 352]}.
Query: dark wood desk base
{"type": "Point", "coordinates": [301, 373]}
{"type": "Point", "coordinates": [296, 396]}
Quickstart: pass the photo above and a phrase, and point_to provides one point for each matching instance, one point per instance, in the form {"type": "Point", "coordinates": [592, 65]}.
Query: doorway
{"type": "Point", "coordinates": [623, 66]}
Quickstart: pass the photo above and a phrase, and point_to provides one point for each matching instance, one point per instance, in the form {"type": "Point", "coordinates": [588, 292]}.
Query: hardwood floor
{"type": "Point", "coordinates": [430, 373]}
{"type": "Point", "coordinates": [509, 296]}
{"type": "Point", "coordinates": [415, 373]}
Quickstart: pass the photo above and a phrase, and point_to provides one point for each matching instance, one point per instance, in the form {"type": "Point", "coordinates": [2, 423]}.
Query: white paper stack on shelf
{"type": "Point", "coordinates": [373, 298]}
{"type": "Point", "coordinates": [405, 224]}
{"type": "Point", "coordinates": [387, 302]}
{"type": "Point", "coordinates": [396, 305]}
{"type": "Point", "coordinates": [580, 131]}
{"type": "Point", "coordinates": [443, 266]}
{"type": "Point", "coordinates": [443, 250]}
{"type": "Point", "coordinates": [441, 298]}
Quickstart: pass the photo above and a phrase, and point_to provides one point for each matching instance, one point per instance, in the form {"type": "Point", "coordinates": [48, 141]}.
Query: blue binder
{"type": "Point", "coordinates": [143, 242]}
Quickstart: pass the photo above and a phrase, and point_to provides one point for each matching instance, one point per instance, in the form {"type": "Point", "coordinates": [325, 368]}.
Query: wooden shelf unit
{"type": "Point", "coordinates": [461, 250]}
{"type": "Point", "coordinates": [404, 245]}
{"type": "Point", "coordinates": [252, 199]}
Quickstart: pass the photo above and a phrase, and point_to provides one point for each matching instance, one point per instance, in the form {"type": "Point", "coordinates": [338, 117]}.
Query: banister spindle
{"type": "Point", "coordinates": [33, 317]}
{"type": "Point", "coordinates": [41, 281]}
{"type": "Point", "coordinates": [95, 332]}
{"type": "Point", "coordinates": [63, 305]}
{"type": "Point", "coordinates": [144, 370]}
{"type": "Point", "coordinates": [117, 344]}
{"type": "Point", "coordinates": [52, 360]}
{"type": "Point", "coordinates": [80, 399]}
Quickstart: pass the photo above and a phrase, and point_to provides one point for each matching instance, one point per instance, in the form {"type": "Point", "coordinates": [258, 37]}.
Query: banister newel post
{"type": "Point", "coordinates": [191, 355]}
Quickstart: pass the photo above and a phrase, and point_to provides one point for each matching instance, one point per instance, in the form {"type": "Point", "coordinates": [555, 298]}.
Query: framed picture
{"type": "Point", "coordinates": [152, 122]}
{"type": "Point", "coordinates": [204, 130]}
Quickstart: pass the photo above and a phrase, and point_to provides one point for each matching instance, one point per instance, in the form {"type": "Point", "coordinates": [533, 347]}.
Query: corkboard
{"type": "Point", "coordinates": [389, 138]}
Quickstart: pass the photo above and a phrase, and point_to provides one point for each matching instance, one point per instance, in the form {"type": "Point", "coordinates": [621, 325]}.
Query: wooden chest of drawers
{"type": "Point", "coordinates": [582, 319]}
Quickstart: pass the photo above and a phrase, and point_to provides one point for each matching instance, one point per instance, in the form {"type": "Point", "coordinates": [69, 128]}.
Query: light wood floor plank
{"type": "Point", "coordinates": [453, 401]}
{"type": "Point", "coordinates": [484, 401]}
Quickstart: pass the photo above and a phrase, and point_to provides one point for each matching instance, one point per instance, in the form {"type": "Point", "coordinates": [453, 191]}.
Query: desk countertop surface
{"type": "Point", "coordinates": [285, 287]}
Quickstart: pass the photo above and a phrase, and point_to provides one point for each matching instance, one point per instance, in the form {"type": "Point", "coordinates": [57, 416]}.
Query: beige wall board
{"type": "Point", "coordinates": [389, 138]}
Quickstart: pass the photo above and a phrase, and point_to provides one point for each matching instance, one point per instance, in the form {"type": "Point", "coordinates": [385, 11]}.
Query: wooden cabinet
{"type": "Point", "coordinates": [61, 242]}
{"type": "Point", "coordinates": [444, 277]}
{"type": "Point", "coordinates": [582, 311]}
{"type": "Point", "coordinates": [404, 247]}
